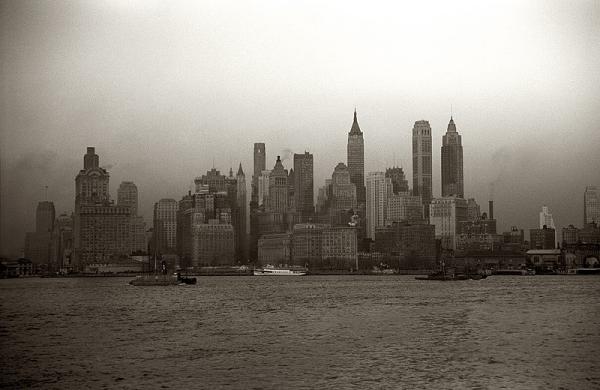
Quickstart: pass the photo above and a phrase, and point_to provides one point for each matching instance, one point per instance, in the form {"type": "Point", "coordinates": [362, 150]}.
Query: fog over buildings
{"type": "Point", "coordinates": [166, 90]}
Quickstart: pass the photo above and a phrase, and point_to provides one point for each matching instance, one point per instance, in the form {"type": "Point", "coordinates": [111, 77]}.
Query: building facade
{"type": "Point", "coordinates": [165, 226]}
{"type": "Point", "coordinates": [422, 168]}
{"type": "Point", "coordinates": [399, 182]}
{"type": "Point", "coordinates": [591, 206]}
{"type": "Point", "coordinates": [403, 207]}
{"type": "Point", "coordinates": [304, 203]}
{"type": "Point", "coordinates": [379, 188]}
{"type": "Point", "coordinates": [213, 244]}
{"type": "Point", "coordinates": [127, 195]}
{"type": "Point", "coordinates": [356, 159]}
{"type": "Point", "coordinates": [445, 214]}
{"type": "Point", "coordinates": [263, 187]}
{"type": "Point", "coordinates": [275, 249]}
{"type": "Point", "coordinates": [452, 163]}
{"type": "Point", "coordinates": [278, 188]}
{"type": "Point", "coordinates": [543, 238]}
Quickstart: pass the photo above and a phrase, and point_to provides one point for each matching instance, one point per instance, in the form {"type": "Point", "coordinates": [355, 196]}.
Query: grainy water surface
{"type": "Point", "coordinates": [325, 332]}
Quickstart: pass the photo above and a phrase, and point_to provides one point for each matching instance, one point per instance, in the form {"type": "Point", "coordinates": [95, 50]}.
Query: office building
{"type": "Point", "coordinates": [165, 226]}
{"type": "Point", "coordinates": [278, 188]}
{"type": "Point", "coordinates": [379, 188]}
{"type": "Point", "coordinates": [452, 163]}
{"type": "Point", "coordinates": [356, 159]}
{"type": "Point", "coordinates": [445, 214]}
{"type": "Point", "coordinates": [263, 187]}
{"type": "Point", "coordinates": [403, 207]}
{"type": "Point", "coordinates": [303, 184]}
{"type": "Point", "coordinates": [127, 195]}
{"type": "Point", "coordinates": [422, 171]}
{"type": "Point", "coordinates": [399, 182]}
{"type": "Point", "coordinates": [591, 205]}
{"type": "Point", "coordinates": [546, 219]}
{"type": "Point", "coordinates": [543, 238]}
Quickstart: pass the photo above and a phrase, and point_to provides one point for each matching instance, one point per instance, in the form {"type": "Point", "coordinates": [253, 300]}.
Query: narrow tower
{"type": "Point", "coordinates": [356, 159]}
{"type": "Point", "coordinates": [422, 178]}
{"type": "Point", "coordinates": [452, 163]}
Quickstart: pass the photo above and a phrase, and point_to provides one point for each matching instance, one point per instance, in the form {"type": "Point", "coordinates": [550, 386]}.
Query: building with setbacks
{"type": "Point", "coordinates": [452, 162]}
{"type": "Point", "coordinates": [356, 159]}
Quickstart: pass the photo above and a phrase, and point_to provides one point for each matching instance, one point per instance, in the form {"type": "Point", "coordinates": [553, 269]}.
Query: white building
{"type": "Point", "coordinates": [546, 218]}
{"type": "Point", "coordinates": [263, 186]}
{"type": "Point", "coordinates": [444, 214]}
{"type": "Point", "coordinates": [379, 188]}
{"type": "Point", "coordinates": [591, 205]}
{"type": "Point", "coordinates": [404, 207]}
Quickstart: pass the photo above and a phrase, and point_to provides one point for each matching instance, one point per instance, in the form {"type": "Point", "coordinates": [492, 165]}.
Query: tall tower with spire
{"type": "Point", "coordinates": [452, 162]}
{"type": "Point", "coordinates": [356, 159]}
{"type": "Point", "coordinates": [242, 205]}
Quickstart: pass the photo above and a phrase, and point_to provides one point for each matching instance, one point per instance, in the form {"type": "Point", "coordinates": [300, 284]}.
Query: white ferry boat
{"type": "Point", "coordinates": [270, 270]}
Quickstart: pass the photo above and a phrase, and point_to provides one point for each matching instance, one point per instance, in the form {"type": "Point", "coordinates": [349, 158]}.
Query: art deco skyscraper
{"type": "Point", "coordinates": [91, 184]}
{"type": "Point", "coordinates": [422, 180]}
{"type": "Point", "coordinates": [303, 184]}
{"type": "Point", "coordinates": [356, 159]}
{"type": "Point", "coordinates": [591, 205]}
{"type": "Point", "coordinates": [452, 163]}
{"type": "Point", "coordinates": [278, 188]}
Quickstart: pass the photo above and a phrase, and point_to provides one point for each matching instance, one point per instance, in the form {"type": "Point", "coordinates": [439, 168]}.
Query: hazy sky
{"type": "Point", "coordinates": [161, 88]}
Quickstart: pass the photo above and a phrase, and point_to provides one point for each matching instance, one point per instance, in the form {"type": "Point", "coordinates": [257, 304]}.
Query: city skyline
{"type": "Point", "coordinates": [173, 106]}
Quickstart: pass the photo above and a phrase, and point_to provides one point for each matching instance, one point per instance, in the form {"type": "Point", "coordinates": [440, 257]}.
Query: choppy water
{"type": "Point", "coordinates": [333, 332]}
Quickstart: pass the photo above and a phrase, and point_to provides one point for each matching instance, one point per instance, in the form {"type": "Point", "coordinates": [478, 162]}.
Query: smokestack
{"type": "Point", "coordinates": [491, 209]}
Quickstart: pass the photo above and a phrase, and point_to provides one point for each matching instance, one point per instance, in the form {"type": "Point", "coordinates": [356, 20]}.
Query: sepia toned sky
{"type": "Point", "coordinates": [163, 89]}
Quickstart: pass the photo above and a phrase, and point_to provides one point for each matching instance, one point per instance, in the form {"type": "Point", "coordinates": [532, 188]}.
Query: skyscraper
{"type": "Point", "coordinates": [38, 243]}
{"type": "Point", "coordinates": [452, 163]}
{"type": "Point", "coordinates": [379, 188]}
{"type": "Point", "coordinates": [546, 218]}
{"type": "Point", "coordinates": [91, 184]}
{"type": "Point", "coordinates": [241, 227]}
{"type": "Point", "coordinates": [422, 178]}
{"type": "Point", "coordinates": [127, 195]}
{"type": "Point", "coordinates": [303, 184]}
{"type": "Point", "coordinates": [165, 226]}
{"type": "Point", "coordinates": [399, 182]}
{"type": "Point", "coordinates": [591, 205]}
{"type": "Point", "coordinates": [44, 217]}
{"type": "Point", "coordinates": [259, 166]}
{"type": "Point", "coordinates": [356, 159]}
{"type": "Point", "coordinates": [278, 188]}
{"type": "Point", "coordinates": [102, 231]}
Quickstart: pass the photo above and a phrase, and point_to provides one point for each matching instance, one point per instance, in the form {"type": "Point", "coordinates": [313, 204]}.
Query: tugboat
{"type": "Point", "coordinates": [449, 274]}
{"type": "Point", "coordinates": [185, 279]}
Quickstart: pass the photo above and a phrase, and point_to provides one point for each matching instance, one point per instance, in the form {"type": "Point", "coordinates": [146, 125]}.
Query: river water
{"type": "Point", "coordinates": [325, 332]}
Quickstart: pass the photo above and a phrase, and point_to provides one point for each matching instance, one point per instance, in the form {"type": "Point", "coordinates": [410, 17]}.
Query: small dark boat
{"type": "Point", "coordinates": [186, 279]}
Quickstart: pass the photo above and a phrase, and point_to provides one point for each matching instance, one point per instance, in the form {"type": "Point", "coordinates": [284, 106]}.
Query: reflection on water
{"type": "Point", "coordinates": [302, 332]}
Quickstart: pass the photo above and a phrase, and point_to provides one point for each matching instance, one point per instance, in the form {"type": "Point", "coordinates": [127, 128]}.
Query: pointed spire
{"type": "Point", "coordinates": [240, 171]}
{"type": "Point", "coordinates": [355, 128]}
{"type": "Point", "coordinates": [230, 171]}
{"type": "Point", "coordinates": [451, 125]}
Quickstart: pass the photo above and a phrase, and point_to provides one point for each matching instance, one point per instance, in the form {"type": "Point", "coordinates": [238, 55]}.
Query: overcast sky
{"type": "Point", "coordinates": [161, 88]}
